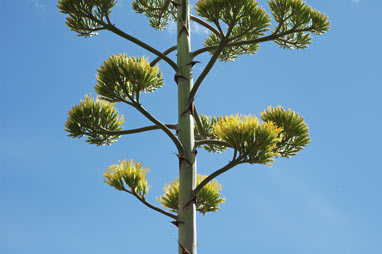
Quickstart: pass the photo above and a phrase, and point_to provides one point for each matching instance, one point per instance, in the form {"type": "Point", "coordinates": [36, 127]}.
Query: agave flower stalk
{"type": "Point", "coordinates": [187, 171]}
{"type": "Point", "coordinates": [236, 27]}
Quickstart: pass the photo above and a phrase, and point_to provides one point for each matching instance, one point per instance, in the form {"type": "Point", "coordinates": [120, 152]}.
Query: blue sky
{"type": "Point", "coordinates": [326, 200]}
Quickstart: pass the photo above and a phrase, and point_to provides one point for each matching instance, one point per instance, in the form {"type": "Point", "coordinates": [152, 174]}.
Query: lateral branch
{"type": "Point", "coordinates": [142, 129]}
{"type": "Point", "coordinates": [144, 201]}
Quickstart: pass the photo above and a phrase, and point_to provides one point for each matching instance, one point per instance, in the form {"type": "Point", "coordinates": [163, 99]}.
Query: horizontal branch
{"type": "Point", "coordinates": [143, 200]}
{"type": "Point", "coordinates": [247, 42]}
{"type": "Point", "coordinates": [142, 129]}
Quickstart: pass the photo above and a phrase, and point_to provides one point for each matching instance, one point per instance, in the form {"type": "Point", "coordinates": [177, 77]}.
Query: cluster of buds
{"type": "Point", "coordinates": [207, 200]}
{"type": "Point", "coordinates": [129, 173]}
{"type": "Point", "coordinates": [282, 133]}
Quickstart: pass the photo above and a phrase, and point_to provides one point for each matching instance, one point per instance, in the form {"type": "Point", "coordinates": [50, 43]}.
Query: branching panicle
{"type": "Point", "coordinates": [123, 78]}
{"type": "Point", "coordinates": [248, 21]}
{"type": "Point", "coordinates": [294, 136]}
{"type": "Point", "coordinates": [207, 200]}
{"type": "Point", "coordinates": [83, 14]}
{"type": "Point", "coordinates": [230, 53]}
{"type": "Point", "coordinates": [282, 133]}
{"type": "Point", "coordinates": [159, 12]}
{"type": "Point", "coordinates": [91, 118]}
{"type": "Point", "coordinates": [129, 173]}
{"type": "Point", "coordinates": [254, 142]}
{"type": "Point", "coordinates": [237, 27]}
{"type": "Point", "coordinates": [298, 18]}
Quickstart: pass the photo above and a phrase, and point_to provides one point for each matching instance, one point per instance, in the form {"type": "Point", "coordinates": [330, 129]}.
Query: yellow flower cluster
{"type": "Point", "coordinates": [207, 200]}
{"type": "Point", "coordinates": [266, 140]}
{"type": "Point", "coordinates": [91, 118]}
{"type": "Point", "coordinates": [141, 74]}
{"type": "Point", "coordinates": [170, 198]}
{"type": "Point", "coordinates": [295, 135]}
{"type": "Point", "coordinates": [130, 173]}
{"type": "Point", "coordinates": [122, 77]}
{"type": "Point", "coordinates": [256, 142]}
{"type": "Point", "coordinates": [235, 130]}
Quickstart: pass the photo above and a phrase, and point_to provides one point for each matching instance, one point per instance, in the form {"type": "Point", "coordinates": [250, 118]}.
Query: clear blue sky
{"type": "Point", "coordinates": [327, 200]}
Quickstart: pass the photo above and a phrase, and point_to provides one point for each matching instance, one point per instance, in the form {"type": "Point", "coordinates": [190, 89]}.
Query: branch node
{"type": "Point", "coordinates": [177, 222]}
{"type": "Point", "coordinates": [179, 77]}
{"type": "Point", "coordinates": [183, 160]}
{"type": "Point", "coordinates": [192, 200]}
{"type": "Point", "coordinates": [183, 29]}
{"type": "Point", "coordinates": [192, 63]}
{"type": "Point", "coordinates": [184, 250]}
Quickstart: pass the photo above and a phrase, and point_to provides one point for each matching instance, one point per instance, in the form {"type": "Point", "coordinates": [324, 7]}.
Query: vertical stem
{"type": "Point", "coordinates": [187, 173]}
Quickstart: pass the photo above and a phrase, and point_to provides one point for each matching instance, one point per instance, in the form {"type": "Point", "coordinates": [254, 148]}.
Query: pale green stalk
{"type": "Point", "coordinates": [187, 170]}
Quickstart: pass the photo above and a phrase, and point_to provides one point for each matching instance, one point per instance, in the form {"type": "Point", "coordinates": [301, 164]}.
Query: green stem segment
{"type": "Point", "coordinates": [109, 26]}
{"type": "Point", "coordinates": [187, 171]}
{"type": "Point", "coordinates": [143, 200]}
{"type": "Point", "coordinates": [206, 25]}
{"type": "Point", "coordinates": [224, 169]}
{"type": "Point", "coordinates": [207, 69]}
{"type": "Point", "coordinates": [116, 30]}
{"type": "Point", "coordinates": [138, 130]}
{"type": "Point", "coordinates": [168, 51]}
{"type": "Point", "coordinates": [220, 48]}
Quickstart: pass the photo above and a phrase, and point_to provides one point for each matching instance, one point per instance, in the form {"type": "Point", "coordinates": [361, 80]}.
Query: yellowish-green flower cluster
{"type": "Point", "coordinates": [294, 136]}
{"type": "Point", "coordinates": [263, 148]}
{"type": "Point", "coordinates": [297, 15]}
{"type": "Point", "coordinates": [80, 12]}
{"type": "Point", "coordinates": [255, 142]}
{"type": "Point", "coordinates": [236, 130]}
{"type": "Point", "coordinates": [246, 14]}
{"type": "Point", "coordinates": [122, 78]}
{"type": "Point", "coordinates": [208, 124]}
{"type": "Point", "coordinates": [207, 200]}
{"type": "Point", "coordinates": [94, 118]}
{"type": "Point", "coordinates": [159, 12]}
{"type": "Point", "coordinates": [247, 20]}
{"type": "Point", "coordinates": [130, 173]}
{"type": "Point", "coordinates": [170, 198]}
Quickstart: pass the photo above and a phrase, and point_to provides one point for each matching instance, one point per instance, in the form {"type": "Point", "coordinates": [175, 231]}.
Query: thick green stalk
{"type": "Point", "coordinates": [187, 168]}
